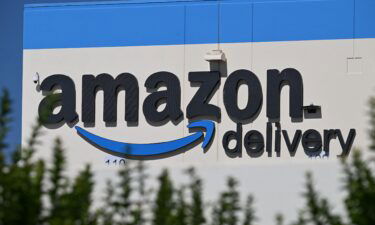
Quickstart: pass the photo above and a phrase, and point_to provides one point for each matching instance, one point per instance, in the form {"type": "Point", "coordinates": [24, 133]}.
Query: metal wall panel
{"type": "Point", "coordinates": [236, 18]}
{"type": "Point", "coordinates": [303, 20]}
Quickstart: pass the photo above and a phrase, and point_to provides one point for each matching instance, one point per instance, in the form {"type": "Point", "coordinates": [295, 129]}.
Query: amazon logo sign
{"type": "Point", "coordinates": [199, 111]}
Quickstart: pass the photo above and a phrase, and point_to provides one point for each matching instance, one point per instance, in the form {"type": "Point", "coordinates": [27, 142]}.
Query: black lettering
{"type": "Point", "coordinates": [346, 145]}
{"type": "Point", "coordinates": [328, 136]}
{"type": "Point", "coordinates": [255, 97]}
{"type": "Point", "coordinates": [199, 104]}
{"type": "Point", "coordinates": [312, 142]}
{"type": "Point", "coordinates": [233, 135]}
{"type": "Point", "coordinates": [111, 87]}
{"type": "Point", "coordinates": [278, 139]}
{"type": "Point", "coordinates": [171, 96]}
{"type": "Point", "coordinates": [254, 143]}
{"type": "Point", "coordinates": [275, 82]}
{"type": "Point", "coordinates": [269, 139]}
{"type": "Point", "coordinates": [292, 147]}
{"type": "Point", "coordinates": [67, 100]}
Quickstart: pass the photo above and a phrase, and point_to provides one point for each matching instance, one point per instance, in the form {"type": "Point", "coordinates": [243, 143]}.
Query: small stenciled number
{"type": "Point", "coordinates": [114, 161]}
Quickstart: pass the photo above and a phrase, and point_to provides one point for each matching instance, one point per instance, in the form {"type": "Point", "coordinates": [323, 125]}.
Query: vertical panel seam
{"type": "Point", "coordinates": [354, 27]}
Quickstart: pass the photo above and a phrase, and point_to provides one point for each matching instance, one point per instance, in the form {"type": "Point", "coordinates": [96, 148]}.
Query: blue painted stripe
{"type": "Point", "coordinates": [313, 20]}
{"type": "Point", "coordinates": [195, 22]}
{"type": "Point", "coordinates": [236, 22]}
{"type": "Point", "coordinates": [365, 18]}
{"type": "Point", "coordinates": [52, 3]}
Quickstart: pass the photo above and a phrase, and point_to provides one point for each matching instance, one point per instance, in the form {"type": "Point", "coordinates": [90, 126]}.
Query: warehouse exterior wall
{"type": "Point", "coordinates": [331, 43]}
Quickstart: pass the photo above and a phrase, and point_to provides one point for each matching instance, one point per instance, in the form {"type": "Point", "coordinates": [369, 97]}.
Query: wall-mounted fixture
{"type": "Point", "coordinates": [215, 55]}
{"type": "Point", "coordinates": [36, 78]}
{"type": "Point", "coordinates": [355, 65]}
{"type": "Point", "coordinates": [312, 111]}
